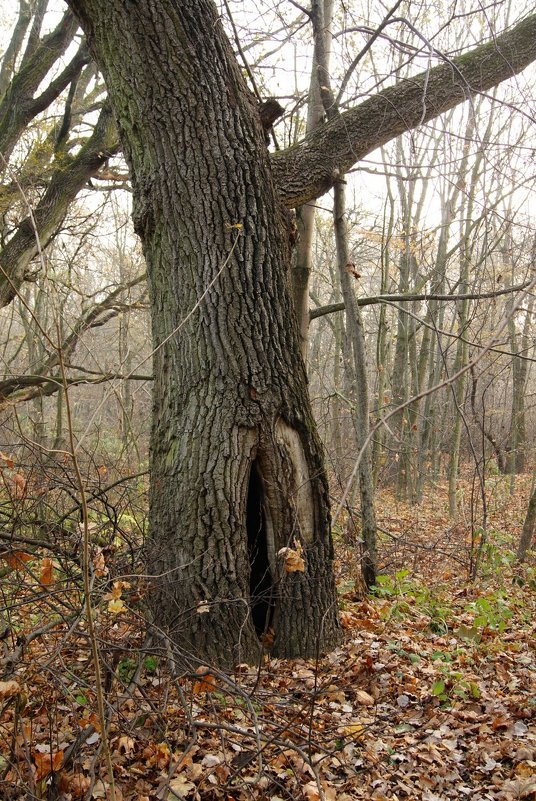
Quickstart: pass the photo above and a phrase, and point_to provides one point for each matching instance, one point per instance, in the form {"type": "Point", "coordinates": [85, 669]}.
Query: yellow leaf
{"type": "Point", "coordinates": [116, 606]}
{"type": "Point", "coordinates": [356, 730]}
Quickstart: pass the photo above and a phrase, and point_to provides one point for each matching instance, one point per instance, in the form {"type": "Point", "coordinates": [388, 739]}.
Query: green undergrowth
{"type": "Point", "coordinates": [448, 631]}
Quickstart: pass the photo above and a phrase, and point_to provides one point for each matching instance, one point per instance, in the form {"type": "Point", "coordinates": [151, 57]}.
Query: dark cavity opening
{"type": "Point", "coordinates": [260, 577]}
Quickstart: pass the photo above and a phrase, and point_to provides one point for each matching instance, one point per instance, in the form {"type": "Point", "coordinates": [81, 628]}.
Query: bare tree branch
{"type": "Point", "coordinates": [308, 170]}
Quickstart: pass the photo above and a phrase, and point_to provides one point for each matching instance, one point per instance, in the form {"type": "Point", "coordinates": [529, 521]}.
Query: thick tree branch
{"type": "Point", "coordinates": [64, 186]}
{"type": "Point", "coordinates": [321, 311]}
{"type": "Point", "coordinates": [18, 106]}
{"type": "Point", "coordinates": [71, 71]}
{"type": "Point", "coordinates": [27, 387]}
{"type": "Point", "coordinates": [309, 169]}
{"type": "Point", "coordinates": [13, 49]}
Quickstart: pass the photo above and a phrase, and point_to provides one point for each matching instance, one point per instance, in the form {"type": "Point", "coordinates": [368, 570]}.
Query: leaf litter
{"type": "Point", "coordinates": [431, 696]}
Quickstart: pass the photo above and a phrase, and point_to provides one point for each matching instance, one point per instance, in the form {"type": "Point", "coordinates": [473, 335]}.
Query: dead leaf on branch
{"type": "Point", "coordinates": [116, 606]}
{"type": "Point", "coordinates": [99, 564]}
{"type": "Point", "coordinates": [352, 270]}
{"type": "Point", "coordinates": [20, 485]}
{"type": "Point", "coordinates": [293, 558]}
{"type": "Point", "coordinates": [47, 572]}
{"type": "Point", "coordinates": [115, 602]}
{"type": "Point", "coordinates": [16, 559]}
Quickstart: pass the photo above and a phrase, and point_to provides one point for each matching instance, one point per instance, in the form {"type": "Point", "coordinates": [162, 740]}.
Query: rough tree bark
{"type": "Point", "coordinates": [236, 465]}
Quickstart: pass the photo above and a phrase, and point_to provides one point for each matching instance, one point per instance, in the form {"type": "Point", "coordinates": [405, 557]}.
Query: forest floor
{"type": "Point", "coordinates": [431, 695]}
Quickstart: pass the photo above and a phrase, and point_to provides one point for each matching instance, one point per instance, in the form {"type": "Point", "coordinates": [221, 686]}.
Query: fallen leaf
{"type": "Point", "coordinates": [355, 730]}
{"type": "Point", "coordinates": [311, 792]}
{"type": "Point", "coordinates": [47, 763]}
{"type": "Point", "coordinates": [206, 684]}
{"type": "Point", "coordinates": [125, 745]}
{"type": "Point", "coordinates": [179, 788]}
{"type": "Point", "coordinates": [364, 698]}
{"type": "Point", "coordinates": [9, 688]}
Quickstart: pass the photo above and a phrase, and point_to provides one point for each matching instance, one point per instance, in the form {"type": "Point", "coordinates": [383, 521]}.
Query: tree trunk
{"type": "Point", "coordinates": [525, 541]}
{"type": "Point", "coordinates": [519, 345]}
{"type": "Point", "coordinates": [236, 466]}
{"type": "Point", "coordinates": [383, 341]}
{"type": "Point", "coordinates": [356, 336]}
{"type": "Point", "coordinates": [321, 17]}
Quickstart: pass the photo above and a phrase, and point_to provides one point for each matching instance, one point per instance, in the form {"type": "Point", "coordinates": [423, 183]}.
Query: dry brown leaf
{"type": "Point", "coordinates": [8, 460]}
{"type": "Point", "coordinates": [364, 698]}
{"type": "Point", "coordinates": [8, 689]}
{"type": "Point", "coordinates": [179, 788]}
{"type": "Point", "coordinates": [99, 564]}
{"type": "Point", "coordinates": [47, 763]}
{"type": "Point", "coordinates": [47, 572]}
{"type": "Point", "coordinates": [206, 684]}
{"type": "Point", "coordinates": [293, 560]}
{"type": "Point", "coordinates": [20, 485]}
{"type": "Point", "coordinates": [126, 745]}
{"type": "Point", "coordinates": [311, 791]}
{"type": "Point", "coordinates": [79, 784]}
{"type": "Point", "coordinates": [16, 559]}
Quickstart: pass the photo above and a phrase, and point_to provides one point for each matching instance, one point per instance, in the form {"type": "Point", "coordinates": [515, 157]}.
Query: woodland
{"type": "Point", "coordinates": [267, 473]}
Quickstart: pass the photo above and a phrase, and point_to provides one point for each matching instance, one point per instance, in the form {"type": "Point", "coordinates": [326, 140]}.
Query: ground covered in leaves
{"type": "Point", "coordinates": [431, 696]}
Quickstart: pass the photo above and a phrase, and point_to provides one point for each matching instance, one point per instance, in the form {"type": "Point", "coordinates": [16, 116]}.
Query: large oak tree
{"type": "Point", "coordinates": [236, 466]}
